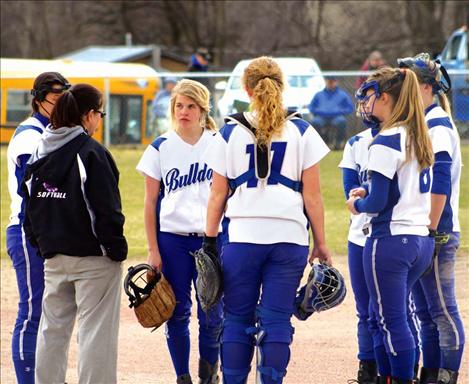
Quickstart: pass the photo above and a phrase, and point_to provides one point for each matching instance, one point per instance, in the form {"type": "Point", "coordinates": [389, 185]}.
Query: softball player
{"type": "Point", "coordinates": [398, 249]}
{"type": "Point", "coordinates": [270, 163]}
{"type": "Point", "coordinates": [354, 172]}
{"type": "Point", "coordinates": [177, 184]}
{"type": "Point", "coordinates": [27, 263]}
{"type": "Point", "coordinates": [442, 332]}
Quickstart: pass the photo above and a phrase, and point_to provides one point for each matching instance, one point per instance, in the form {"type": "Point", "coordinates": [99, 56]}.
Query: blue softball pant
{"type": "Point", "coordinates": [29, 269]}
{"type": "Point", "coordinates": [260, 284]}
{"type": "Point", "coordinates": [362, 301]}
{"type": "Point", "coordinates": [392, 265]}
{"type": "Point", "coordinates": [179, 269]}
{"type": "Point", "coordinates": [441, 328]}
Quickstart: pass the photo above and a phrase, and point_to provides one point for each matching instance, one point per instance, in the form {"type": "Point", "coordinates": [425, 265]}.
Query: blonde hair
{"type": "Point", "coordinates": [201, 96]}
{"type": "Point", "coordinates": [403, 86]}
{"type": "Point", "coordinates": [264, 78]}
{"type": "Point", "coordinates": [444, 102]}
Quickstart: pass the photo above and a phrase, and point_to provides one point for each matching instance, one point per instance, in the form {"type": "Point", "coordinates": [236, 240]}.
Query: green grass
{"type": "Point", "coordinates": [132, 189]}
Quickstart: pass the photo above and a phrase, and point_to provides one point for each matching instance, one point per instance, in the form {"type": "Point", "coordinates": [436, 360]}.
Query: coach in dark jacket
{"type": "Point", "coordinates": [73, 215]}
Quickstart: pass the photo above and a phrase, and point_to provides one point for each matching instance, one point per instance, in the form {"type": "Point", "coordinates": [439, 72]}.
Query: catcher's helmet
{"type": "Point", "coordinates": [137, 285]}
{"type": "Point", "coordinates": [428, 71]}
{"type": "Point", "coordinates": [325, 290]}
{"type": "Point", "coordinates": [153, 299]}
{"type": "Point", "coordinates": [45, 82]}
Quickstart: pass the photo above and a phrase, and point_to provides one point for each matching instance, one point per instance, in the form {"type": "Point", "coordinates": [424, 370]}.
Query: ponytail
{"type": "Point", "coordinates": [210, 123]}
{"type": "Point", "coordinates": [403, 86]}
{"type": "Point", "coordinates": [66, 112]}
{"type": "Point", "coordinates": [74, 104]}
{"type": "Point", "coordinates": [264, 77]}
{"type": "Point", "coordinates": [444, 102]}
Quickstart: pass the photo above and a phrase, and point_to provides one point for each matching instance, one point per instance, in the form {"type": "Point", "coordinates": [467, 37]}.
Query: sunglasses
{"type": "Point", "coordinates": [101, 113]}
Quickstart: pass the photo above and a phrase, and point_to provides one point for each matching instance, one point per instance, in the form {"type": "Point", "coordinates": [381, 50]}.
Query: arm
{"type": "Point", "coordinates": [441, 186]}
{"type": "Point", "coordinates": [216, 204]}
{"type": "Point", "coordinates": [376, 199]}
{"type": "Point", "coordinates": [152, 188]}
{"type": "Point", "coordinates": [102, 191]}
{"type": "Point", "coordinates": [314, 206]}
{"type": "Point", "coordinates": [350, 180]}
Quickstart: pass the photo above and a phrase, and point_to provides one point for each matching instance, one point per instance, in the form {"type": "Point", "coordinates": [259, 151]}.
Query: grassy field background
{"type": "Point", "coordinates": [132, 189]}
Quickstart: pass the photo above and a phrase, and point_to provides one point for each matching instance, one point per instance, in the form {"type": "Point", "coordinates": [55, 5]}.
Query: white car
{"type": "Point", "coordinates": [304, 80]}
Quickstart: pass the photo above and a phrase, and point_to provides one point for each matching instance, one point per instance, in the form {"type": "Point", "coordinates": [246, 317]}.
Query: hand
{"type": "Point", "coordinates": [154, 260]}
{"type": "Point", "coordinates": [351, 205]}
{"type": "Point", "coordinates": [209, 246]}
{"type": "Point", "coordinates": [357, 192]}
{"type": "Point", "coordinates": [322, 253]}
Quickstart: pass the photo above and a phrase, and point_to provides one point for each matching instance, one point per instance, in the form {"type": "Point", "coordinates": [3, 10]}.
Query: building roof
{"type": "Point", "coordinates": [113, 53]}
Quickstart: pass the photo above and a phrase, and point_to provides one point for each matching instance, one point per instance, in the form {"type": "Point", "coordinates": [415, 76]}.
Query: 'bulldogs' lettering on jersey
{"type": "Point", "coordinates": [173, 180]}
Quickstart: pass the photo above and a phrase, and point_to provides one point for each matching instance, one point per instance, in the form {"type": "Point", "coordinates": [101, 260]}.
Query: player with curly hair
{"type": "Point", "coordinates": [266, 172]}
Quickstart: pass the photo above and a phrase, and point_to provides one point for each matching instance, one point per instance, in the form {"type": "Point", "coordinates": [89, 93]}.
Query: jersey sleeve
{"type": "Point", "coordinates": [441, 139]}
{"type": "Point", "coordinates": [150, 163]}
{"type": "Point", "coordinates": [215, 156]}
{"type": "Point", "coordinates": [315, 148]}
{"type": "Point", "coordinates": [348, 160]}
{"type": "Point", "coordinates": [384, 160]}
{"type": "Point", "coordinates": [23, 143]}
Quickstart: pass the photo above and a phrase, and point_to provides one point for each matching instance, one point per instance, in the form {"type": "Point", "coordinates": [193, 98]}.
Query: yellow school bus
{"type": "Point", "coordinates": [128, 91]}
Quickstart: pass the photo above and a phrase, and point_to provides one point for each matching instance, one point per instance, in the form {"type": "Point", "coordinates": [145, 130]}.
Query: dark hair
{"type": "Point", "coordinates": [74, 104]}
{"type": "Point", "coordinates": [43, 84]}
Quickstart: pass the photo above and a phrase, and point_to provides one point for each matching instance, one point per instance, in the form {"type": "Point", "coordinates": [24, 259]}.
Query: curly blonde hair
{"type": "Point", "coordinates": [264, 78]}
{"type": "Point", "coordinates": [200, 94]}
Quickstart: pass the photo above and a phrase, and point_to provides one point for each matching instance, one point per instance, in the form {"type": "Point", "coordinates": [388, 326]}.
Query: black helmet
{"type": "Point", "coordinates": [428, 71]}
{"type": "Point", "coordinates": [44, 84]}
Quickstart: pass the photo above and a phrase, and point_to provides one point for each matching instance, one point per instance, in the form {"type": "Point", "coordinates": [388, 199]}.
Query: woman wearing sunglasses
{"type": "Point", "coordinates": [74, 218]}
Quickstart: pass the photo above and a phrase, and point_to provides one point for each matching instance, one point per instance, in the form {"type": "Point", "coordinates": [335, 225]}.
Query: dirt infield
{"type": "Point", "coordinates": [323, 351]}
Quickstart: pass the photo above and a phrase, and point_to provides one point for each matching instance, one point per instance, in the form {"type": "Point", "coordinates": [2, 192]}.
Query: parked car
{"type": "Point", "coordinates": [455, 57]}
{"type": "Point", "coordinates": [304, 80]}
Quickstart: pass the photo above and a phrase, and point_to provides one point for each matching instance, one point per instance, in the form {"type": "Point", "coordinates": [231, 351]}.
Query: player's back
{"type": "Point", "coordinates": [408, 205]}
{"type": "Point", "coordinates": [263, 210]}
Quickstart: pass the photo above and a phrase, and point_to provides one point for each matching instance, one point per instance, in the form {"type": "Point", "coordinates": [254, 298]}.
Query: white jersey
{"type": "Point", "coordinates": [408, 207]}
{"type": "Point", "coordinates": [262, 211]}
{"type": "Point", "coordinates": [185, 181]}
{"type": "Point", "coordinates": [355, 157]}
{"type": "Point", "coordinates": [445, 138]}
{"type": "Point", "coordinates": [24, 141]}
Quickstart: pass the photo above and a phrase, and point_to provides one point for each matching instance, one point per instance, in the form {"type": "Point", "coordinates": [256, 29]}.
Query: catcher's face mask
{"type": "Point", "coordinates": [325, 290]}
{"type": "Point", "coordinates": [137, 285]}
{"type": "Point", "coordinates": [363, 97]}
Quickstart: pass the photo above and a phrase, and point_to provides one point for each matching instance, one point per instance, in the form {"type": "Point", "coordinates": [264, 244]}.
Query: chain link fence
{"type": "Point", "coordinates": [221, 88]}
